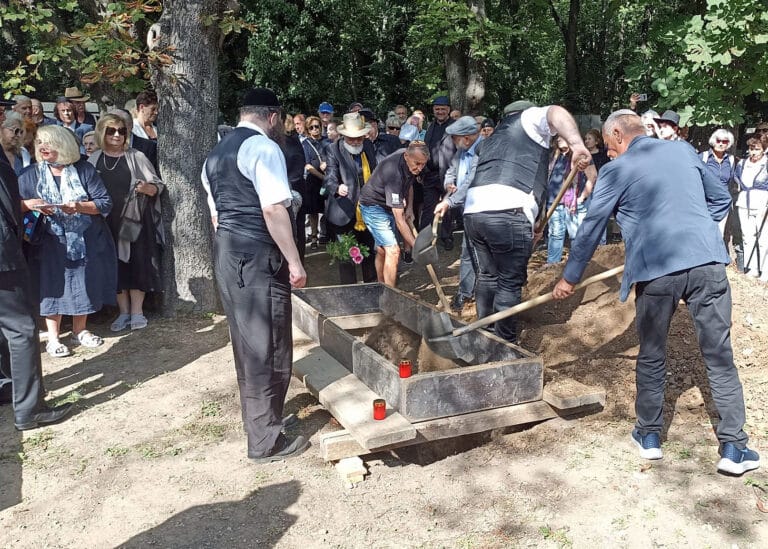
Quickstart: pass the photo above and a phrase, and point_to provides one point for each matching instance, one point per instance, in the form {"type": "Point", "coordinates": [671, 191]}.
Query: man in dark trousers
{"type": "Point", "coordinates": [21, 372]}
{"type": "Point", "coordinates": [441, 152]}
{"type": "Point", "coordinates": [668, 205]}
{"type": "Point", "coordinates": [256, 263]}
{"type": "Point", "coordinates": [503, 199]}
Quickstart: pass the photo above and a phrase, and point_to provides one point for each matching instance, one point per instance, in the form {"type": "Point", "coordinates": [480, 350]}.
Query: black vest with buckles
{"type": "Point", "coordinates": [509, 157]}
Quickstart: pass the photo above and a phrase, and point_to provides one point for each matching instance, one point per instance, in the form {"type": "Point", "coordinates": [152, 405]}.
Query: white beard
{"type": "Point", "coordinates": [353, 149]}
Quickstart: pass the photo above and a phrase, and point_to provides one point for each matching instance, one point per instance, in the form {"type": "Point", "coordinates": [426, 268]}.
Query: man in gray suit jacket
{"type": "Point", "coordinates": [668, 205]}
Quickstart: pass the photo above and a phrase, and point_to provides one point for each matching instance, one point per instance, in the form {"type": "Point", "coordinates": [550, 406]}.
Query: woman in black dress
{"type": "Point", "coordinates": [135, 221]}
{"type": "Point", "coordinates": [314, 170]}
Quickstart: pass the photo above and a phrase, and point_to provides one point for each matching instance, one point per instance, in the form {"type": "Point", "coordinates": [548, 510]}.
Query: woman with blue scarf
{"type": "Point", "coordinates": [72, 257]}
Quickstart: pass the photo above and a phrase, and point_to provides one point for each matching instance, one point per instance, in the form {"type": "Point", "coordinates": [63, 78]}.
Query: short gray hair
{"type": "Point", "coordinates": [721, 133]}
{"type": "Point", "coordinates": [12, 118]}
{"type": "Point", "coordinates": [626, 119]}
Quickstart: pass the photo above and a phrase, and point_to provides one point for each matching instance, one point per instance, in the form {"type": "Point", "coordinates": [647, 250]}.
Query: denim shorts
{"type": "Point", "coordinates": [381, 224]}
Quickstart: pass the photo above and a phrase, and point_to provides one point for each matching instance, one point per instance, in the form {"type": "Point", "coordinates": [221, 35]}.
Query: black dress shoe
{"type": "Point", "coordinates": [285, 448]}
{"type": "Point", "coordinates": [457, 303]}
{"type": "Point", "coordinates": [448, 244]}
{"type": "Point", "coordinates": [45, 417]}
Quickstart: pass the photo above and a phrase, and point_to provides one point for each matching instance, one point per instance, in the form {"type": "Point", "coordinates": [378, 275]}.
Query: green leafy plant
{"type": "Point", "coordinates": [347, 248]}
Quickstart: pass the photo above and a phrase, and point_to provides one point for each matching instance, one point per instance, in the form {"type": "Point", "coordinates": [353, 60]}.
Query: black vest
{"type": "Point", "coordinates": [237, 202]}
{"type": "Point", "coordinates": [509, 157]}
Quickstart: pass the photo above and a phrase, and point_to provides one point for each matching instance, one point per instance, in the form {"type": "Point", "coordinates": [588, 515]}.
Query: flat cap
{"type": "Point", "coordinates": [669, 116]}
{"type": "Point", "coordinates": [441, 100]}
{"type": "Point", "coordinates": [518, 106]}
{"type": "Point", "coordinates": [466, 125]}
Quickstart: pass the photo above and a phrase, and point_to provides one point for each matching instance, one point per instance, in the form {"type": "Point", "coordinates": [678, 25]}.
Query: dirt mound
{"type": "Point", "coordinates": [394, 342]}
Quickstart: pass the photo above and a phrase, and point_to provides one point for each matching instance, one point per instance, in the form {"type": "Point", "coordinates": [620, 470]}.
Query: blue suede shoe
{"type": "Point", "coordinates": [736, 461]}
{"type": "Point", "coordinates": [649, 445]}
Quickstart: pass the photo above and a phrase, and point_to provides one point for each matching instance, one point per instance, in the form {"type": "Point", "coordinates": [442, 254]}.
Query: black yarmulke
{"type": "Point", "coordinates": [260, 97]}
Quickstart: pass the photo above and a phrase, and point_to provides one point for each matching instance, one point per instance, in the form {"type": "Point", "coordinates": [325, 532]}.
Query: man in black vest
{"type": "Point", "coordinates": [503, 201]}
{"type": "Point", "coordinates": [256, 263]}
{"type": "Point", "coordinates": [21, 372]}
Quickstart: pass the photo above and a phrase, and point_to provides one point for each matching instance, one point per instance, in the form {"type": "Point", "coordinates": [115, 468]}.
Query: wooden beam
{"type": "Point", "coordinates": [350, 401]}
{"type": "Point", "coordinates": [341, 444]}
{"type": "Point", "coordinates": [567, 393]}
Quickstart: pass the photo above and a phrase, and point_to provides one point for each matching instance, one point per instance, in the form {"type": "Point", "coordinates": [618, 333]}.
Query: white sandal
{"type": "Point", "coordinates": [87, 339]}
{"type": "Point", "coordinates": [122, 322]}
{"type": "Point", "coordinates": [138, 322]}
{"type": "Point", "coordinates": [56, 349]}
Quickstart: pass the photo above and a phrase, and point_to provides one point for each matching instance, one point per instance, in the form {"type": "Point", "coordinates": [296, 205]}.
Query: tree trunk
{"type": "Point", "coordinates": [456, 75]}
{"type": "Point", "coordinates": [188, 92]}
{"type": "Point", "coordinates": [466, 75]}
{"type": "Point", "coordinates": [570, 31]}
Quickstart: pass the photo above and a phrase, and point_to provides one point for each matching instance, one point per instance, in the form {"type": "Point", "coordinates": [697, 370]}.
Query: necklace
{"type": "Point", "coordinates": [104, 159]}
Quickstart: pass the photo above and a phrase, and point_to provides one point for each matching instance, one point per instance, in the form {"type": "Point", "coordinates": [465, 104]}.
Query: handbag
{"type": "Point", "coordinates": [130, 223]}
{"type": "Point", "coordinates": [34, 227]}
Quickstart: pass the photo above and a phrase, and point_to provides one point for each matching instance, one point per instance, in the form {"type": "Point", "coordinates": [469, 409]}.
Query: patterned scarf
{"type": "Point", "coordinates": [69, 228]}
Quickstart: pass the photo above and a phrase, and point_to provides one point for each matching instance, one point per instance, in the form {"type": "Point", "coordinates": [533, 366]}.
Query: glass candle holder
{"type": "Point", "coordinates": [406, 368]}
{"type": "Point", "coordinates": [379, 409]}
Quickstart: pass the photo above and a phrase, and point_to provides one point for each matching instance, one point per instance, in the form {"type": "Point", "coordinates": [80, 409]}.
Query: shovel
{"type": "Point", "coordinates": [447, 344]}
{"type": "Point", "coordinates": [425, 253]}
{"type": "Point", "coordinates": [545, 219]}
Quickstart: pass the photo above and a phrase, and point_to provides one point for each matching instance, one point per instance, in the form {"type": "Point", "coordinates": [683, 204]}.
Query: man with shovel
{"type": "Point", "coordinates": [503, 200]}
{"type": "Point", "coordinates": [668, 205]}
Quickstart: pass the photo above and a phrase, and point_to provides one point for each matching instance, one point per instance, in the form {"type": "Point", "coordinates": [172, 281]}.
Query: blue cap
{"type": "Point", "coordinates": [441, 100]}
{"type": "Point", "coordinates": [325, 107]}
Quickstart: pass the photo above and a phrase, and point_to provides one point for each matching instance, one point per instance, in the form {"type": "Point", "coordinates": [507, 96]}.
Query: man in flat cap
{"type": "Point", "coordinates": [504, 197]}
{"type": "Point", "coordinates": [466, 137]}
{"type": "Point", "coordinates": [256, 264]}
{"type": "Point", "coordinates": [441, 151]}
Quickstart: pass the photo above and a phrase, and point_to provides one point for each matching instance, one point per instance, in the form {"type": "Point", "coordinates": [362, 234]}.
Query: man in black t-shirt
{"type": "Point", "coordinates": [386, 205]}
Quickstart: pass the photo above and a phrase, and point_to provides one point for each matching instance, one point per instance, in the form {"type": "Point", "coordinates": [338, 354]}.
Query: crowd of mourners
{"type": "Point", "coordinates": [363, 185]}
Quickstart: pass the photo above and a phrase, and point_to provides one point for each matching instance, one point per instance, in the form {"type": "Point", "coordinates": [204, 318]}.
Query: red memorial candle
{"type": "Point", "coordinates": [406, 370]}
{"type": "Point", "coordinates": [379, 409]}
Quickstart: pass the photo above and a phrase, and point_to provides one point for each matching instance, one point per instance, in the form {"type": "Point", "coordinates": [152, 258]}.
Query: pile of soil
{"type": "Point", "coordinates": [395, 342]}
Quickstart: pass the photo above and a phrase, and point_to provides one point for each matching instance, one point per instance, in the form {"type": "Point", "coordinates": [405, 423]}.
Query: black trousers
{"type": "Point", "coordinates": [706, 291]}
{"type": "Point", "coordinates": [347, 270]}
{"type": "Point", "coordinates": [20, 362]}
{"type": "Point", "coordinates": [253, 281]}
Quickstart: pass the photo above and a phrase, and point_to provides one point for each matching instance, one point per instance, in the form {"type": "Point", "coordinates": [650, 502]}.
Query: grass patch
{"type": "Point", "coordinates": [70, 398]}
{"type": "Point", "coordinates": [116, 451]}
{"type": "Point", "coordinates": [39, 440]}
{"type": "Point", "coordinates": [558, 536]}
{"type": "Point", "coordinates": [210, 408]}
{"type": "Point", "coordinates": [206, 431]}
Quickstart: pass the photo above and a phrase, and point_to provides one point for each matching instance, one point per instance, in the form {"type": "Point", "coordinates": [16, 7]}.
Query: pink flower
{"type": "Point", "coordinates": [357, 259]}
{"type": "Point", "coordinates": [354, 251]}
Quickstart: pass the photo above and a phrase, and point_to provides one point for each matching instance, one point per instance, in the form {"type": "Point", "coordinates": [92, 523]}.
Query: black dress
{"type": "Point", "coordinates": [142, 271]}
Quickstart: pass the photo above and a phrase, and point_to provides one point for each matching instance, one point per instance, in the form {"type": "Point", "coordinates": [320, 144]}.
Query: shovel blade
{"type": "Point", "coordinates": [424, 250]}
{"type": "Point", "coordinates": [438, 336]}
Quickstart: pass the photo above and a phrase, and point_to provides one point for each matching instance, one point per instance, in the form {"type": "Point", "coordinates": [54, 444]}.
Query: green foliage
{"type": "Point", "coordinates": [347, 249]}
{"type": "Point", "coordinates": [710, 62]}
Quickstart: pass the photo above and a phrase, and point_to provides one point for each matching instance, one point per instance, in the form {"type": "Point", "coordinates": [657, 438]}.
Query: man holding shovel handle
{"type": "Point", "coordinates": [668, 205]}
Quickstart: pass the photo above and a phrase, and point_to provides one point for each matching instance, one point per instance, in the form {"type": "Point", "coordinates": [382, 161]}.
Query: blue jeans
{"type": "Point", "coordinates": [707, 294]}
{"type": "Point", "coordinates": [467, 267]}
{"type": "Point", "coordinates": [563, 221]}
{"type": "Point", "coordinates": [502, 242]}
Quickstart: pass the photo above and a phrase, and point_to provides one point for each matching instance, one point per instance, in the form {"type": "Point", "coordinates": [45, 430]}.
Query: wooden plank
{"type": "Point", "coordinates": [566, 393]}
{"type": "Point", "coordinates": [354, 322]}
{"type": "Point", "coordinates": [350, 401]}
{"type": "Point", "coordinates": [341, 444]}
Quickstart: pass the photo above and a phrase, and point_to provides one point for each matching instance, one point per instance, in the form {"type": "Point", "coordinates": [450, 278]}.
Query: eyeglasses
{"type": "Point", "coordinates": [115, 131]}
{"type": "Point", "coordinates": [761, 130]}
{"type": "Point", "coordinates": [314, 127]}
{"type": "Point", "coordinates": [723, 141]}
{"type": "Point", "coordinates": [16, 131]}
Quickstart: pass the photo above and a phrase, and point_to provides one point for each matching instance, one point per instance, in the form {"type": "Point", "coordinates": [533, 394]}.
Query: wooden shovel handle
{"type": "Point", "coordinates": [535, 302]}
{"type": "Point", "coordinates": [567, 183]}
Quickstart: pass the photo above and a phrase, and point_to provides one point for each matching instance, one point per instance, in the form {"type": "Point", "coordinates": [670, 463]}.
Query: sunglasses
{"type": "Point", "coordinates": [393, 128]}
{"type": "Point", "coordinates": [723, 141]}
{"type": "Point", "coordinates": [761, 130]}
{"type": "Point", "coordinates": [116, 131]}
{"type": "Point", "coordinates": [16, 131]}
{"type": "Point", "coordinates": [313, 127]}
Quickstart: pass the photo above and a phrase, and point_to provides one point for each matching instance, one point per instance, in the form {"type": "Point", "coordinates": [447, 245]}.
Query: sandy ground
{"type": "Point", "coordinates": [154, 455]}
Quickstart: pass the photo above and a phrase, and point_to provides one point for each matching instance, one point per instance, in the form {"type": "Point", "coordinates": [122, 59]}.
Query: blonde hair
{"type": "Point", "coordinates": [101, 126]}
{"type": "Point", "coordinates": [61, 140]}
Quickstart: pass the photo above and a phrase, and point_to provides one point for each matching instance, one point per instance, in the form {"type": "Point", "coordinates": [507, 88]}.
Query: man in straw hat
{"type": "Point", "coordinates": [77, 99]}
{"type": "Point", "coordinates": [351, 161]}
{"type": "Point", "coordinates": [504, 197]}
{"type": "Point", "coordinates": [256, 264]}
